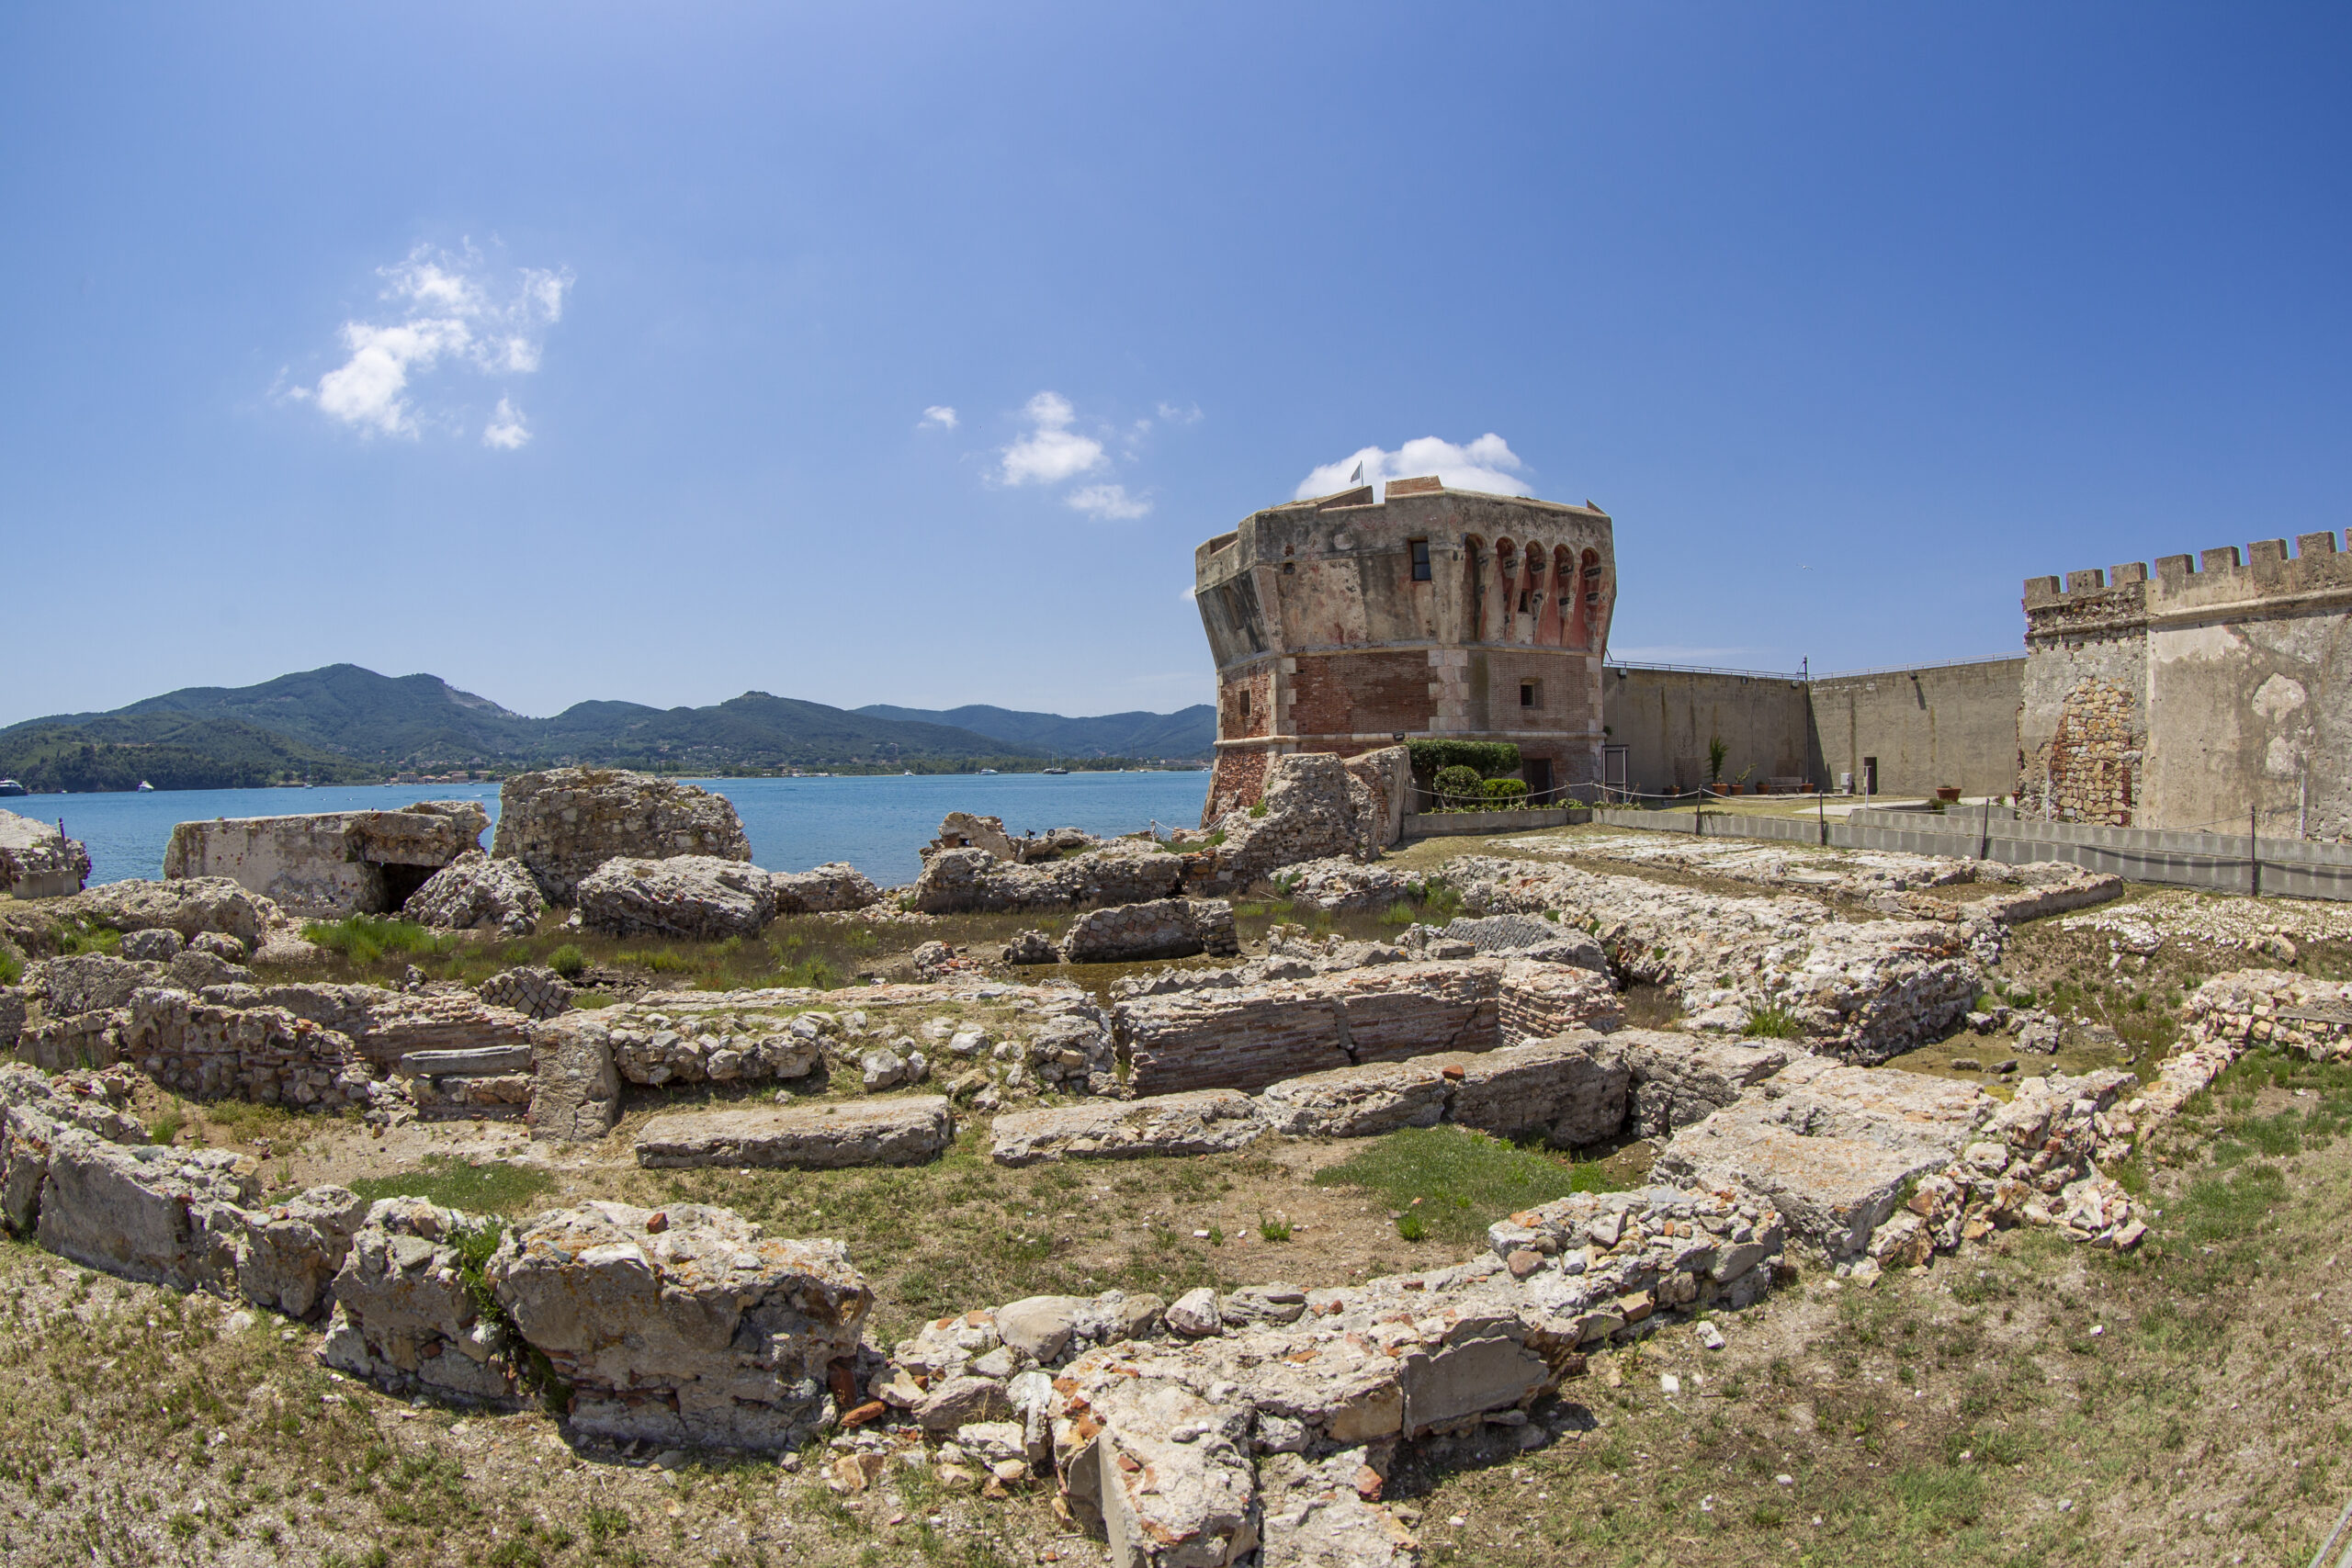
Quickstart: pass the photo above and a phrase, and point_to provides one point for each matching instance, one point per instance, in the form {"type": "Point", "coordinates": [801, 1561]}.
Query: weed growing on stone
{"type": "Point", "coordinates": [567, 961]}
{"type": "Point", "coordinates": [1773, 1023]}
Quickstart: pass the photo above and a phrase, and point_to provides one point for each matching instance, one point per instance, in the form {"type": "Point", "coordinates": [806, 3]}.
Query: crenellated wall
{"type": "Point", "coordinates": [1326, 640]}
{"type": "Point", "coordinates": [2191, 696]}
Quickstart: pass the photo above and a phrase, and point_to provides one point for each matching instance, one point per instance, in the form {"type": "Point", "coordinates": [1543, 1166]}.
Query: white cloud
{"type": "Point", "coordinates": [506, 429]}
{"type": "Point", "coordinates": [1189, 414]}
{"type": "Point", "coordinates": [939, 416]}
{"type": "Point", "coordinates": [1487, 464]}
{"type": "Point", "coordinates": [1109, 501]}
{"type": "Point", "coordinates": [1052, 451]}
{"type": "Point", "coordinates": [446, 310]}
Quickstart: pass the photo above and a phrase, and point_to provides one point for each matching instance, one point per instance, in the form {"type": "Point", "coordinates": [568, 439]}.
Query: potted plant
{"type": "Point", "coordinates": [1716, 751]}
{"type": "Point", "coordinates": [1947, 793]}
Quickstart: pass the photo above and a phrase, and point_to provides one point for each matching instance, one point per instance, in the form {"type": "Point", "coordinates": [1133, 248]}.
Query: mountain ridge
{"type": "Point", "coordinates": [344, 723]}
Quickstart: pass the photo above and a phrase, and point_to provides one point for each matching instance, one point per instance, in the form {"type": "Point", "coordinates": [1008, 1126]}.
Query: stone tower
{"type": "Point", "coordinates": [1344, 623]}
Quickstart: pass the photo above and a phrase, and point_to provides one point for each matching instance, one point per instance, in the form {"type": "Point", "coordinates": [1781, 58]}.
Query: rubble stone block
{"type": "Point", "coordinates": [1680, 1078]}
{"type": "Point", "coordinates": [140, 1212]}
{"type": "Point", "coordinates": [973, 881]}
{"type": "Point", "coordinates": [830, 889]}
{"type": "Point", "coordinates": [1357, 1101]}
{"type": "Point", "coordinates": [692, 898]}
{"type": "Point", "coordinates": [683, 1324]}
{"type": "Point", "coordinates": [1164, 927]}
{"type": "Point", "coordinates": [533, 991]}
{"type": "Point", "coordinates": [288, 1254]}
{"type": "Point", "coordinates": [475, 892]}
{"type": "Point", "coordinates": [902, 1131]}
{"type": "Point", "coordinates": [405, 1317]}
{"type": "Point", "coordinates": [1169, 1474]}
{"type": "Point", "coordinates": [564, 823]}
{"type": "Point", "coordinates": [331, 863]}
{"type": "Point", "coordinates": [1449, 1381]}
{"type": "Point", "coordinates": [576, 1091]}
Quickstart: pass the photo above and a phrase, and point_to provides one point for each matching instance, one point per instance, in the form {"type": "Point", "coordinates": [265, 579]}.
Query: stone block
{"type": "Point", "coordinates": [329, 863]}
{"type": "Point", "coordinates": [576, 1091]}
{"type": "Point", "coordinates": [1163, 928]}
{"type": "Point", "coordinates": [405, 1317]}
{"type": "Point", "coordinates": [475, 892]}
{"type": "Point", "coordinates": [1356, 1101]}
{"type": "Point", "coordinates": [830, 888]}
{"type": "Point", "coordinates": [288, 1254]}
{"type": "Point", "coordinates": [1681, 1078]}
{"type": "Point", "coordinates": [688, 898]}
{"type": "Point", "coordinates": [563, 824]}
{"type": "Point", "coordinates": [897, 1131]}
{"type": "Point", "coordinates": [141, 1212]}
{"type": "Point", "coordinates": [1215, 1121]}
{"type": "Point", "coordinates": [683, 1324]}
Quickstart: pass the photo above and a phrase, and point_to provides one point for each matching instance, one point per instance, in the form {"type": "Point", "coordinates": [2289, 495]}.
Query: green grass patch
{"type": "Point", "coordinates": [569, 961]}
{"type": "Point", "coordinates": [82, 937]}
{"type": "Point", "coordinates": [496, 1188]}
{"type": "Point", "coordinates": [1772, 1023]}
{"type": "Point", "coordinates": [1455, 1183]}
{"type": "Point", "coordinates": [367, 939]}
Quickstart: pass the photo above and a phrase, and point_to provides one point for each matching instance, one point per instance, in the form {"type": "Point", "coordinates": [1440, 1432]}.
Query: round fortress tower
{"type": "Point", "coordinates": [1345, 624]}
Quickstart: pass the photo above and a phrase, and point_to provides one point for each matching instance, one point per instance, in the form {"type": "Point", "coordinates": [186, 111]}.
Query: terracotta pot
{"type": "Point", "coordinates": [1947, 793]}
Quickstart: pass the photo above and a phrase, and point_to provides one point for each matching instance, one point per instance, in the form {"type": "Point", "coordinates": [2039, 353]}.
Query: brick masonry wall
{"type": "Point", "coordinates": [1362, 693]}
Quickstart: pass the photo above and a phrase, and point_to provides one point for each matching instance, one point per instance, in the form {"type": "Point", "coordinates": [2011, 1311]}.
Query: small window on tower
{"type": "Point", "coordinates": [1244, 700]}
{"type": "Point", "coordinates": [1529, 697]}
{"type": "Point", "coordinates": [1420, 561]}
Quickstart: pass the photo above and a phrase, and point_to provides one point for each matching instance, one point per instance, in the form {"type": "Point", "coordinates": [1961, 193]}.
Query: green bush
{"type": "Point", "coordinates": [567, 961]}
{"type": "Point", "coordinates": [1485, 758]}
{"type": "Point", "coordinates": [1772, 1023]}
{"type": "Point", "coordinates": [1459, 785]}
{"type": "Point", "coordinates": [1509, 793]}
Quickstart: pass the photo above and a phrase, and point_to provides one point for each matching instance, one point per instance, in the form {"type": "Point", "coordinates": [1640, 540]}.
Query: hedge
{"type": "Point", "coordinates": [1489, 759]}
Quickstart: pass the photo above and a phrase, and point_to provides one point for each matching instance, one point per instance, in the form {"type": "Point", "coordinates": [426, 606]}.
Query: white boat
{"type": "Point", "coordinates": [144, 788]}
{"type": "Point", "coordinates": [1057, 772]}
{"type": "Point", "coordinates": [10, 786]}
{"type": "Point", "coordinates": [988, 770]}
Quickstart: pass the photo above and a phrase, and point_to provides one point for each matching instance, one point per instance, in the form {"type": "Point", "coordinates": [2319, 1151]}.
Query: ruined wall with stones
{"type": "Point", "coordinates": [2186, 699]}
{"type": "Point", "coordinates": [1326, 641]}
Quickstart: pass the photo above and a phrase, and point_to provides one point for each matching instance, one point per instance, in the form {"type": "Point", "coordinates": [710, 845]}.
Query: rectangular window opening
{"type": "Point", "coordinates": [1420, 561]}
{"type": "Point", "coordinates": [1528, 695]}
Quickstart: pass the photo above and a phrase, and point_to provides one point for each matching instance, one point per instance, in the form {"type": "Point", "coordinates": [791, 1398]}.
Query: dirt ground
{"type": "Point", "coordinates": [2025, 1402]}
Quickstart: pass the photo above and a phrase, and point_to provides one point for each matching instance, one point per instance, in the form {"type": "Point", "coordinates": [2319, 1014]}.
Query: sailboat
{"type": "Point", "coordinates": [144, 788]}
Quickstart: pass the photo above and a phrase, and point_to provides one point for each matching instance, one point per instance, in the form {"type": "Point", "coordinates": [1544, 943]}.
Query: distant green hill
{"type": "Point", "coordinates": [168, 750]}
{"type": "Point", "coordinates": [1188, 733]}
{"type": "Point", "coordinates": [344, 723]}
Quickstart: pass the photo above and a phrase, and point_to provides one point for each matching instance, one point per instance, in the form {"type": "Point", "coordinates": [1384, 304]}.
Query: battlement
{"type": "Point", "coordinates": [2265, 570]}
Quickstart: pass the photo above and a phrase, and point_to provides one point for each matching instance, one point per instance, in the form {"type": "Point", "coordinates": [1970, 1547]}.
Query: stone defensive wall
{"type": "Point", "coordinates": [2208, 692]}
{"type": "Point", "coordinates": [1344, 623]}
{"type": "Point", "coordinates": [1910, 729]}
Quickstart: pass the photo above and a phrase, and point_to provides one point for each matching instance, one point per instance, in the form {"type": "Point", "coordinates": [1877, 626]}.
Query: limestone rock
{"type": "Point", "coordinates": [898, 1131]}
{"type": "Point", "coordinates": [960, 1400]}
{"type": "Point", "coordinates": [683, 1324]}
{"type": "Point", "coordinates": [12, 1018]}
{"type": "Point", "coordinates": [563, 824]}
{"type": "Point", "coordinates": [1031, 947]}
{"type": "Point", "coordinates": [1831, 1147]}
{"type": "Point", "coordinates": [141, 1212]}
{"type": "Point", "coordinates": [88, 982]}
{"type": "Point", "coordinates": [287, 1254]}
{"type": "Point", "coordinates": [1357, 1101]}
{"type": "Point", "coordinates": [477, 893]}
{"type": "Point", "coordinates": [96, 1102]}
{"type": "Point", "coordinates": [1164, 927]}
{"type": "Point", "coordinates": [528, 989]}
{"type": "Point", "coordinates": [160, 946]}
{"type": "Point", "coordinates": [1195, 1315]}
{"type": "Point", "coordinates": [405, 1318]}
{"type": "Point", "coordinates": [716, 1050]}
{"type": "Point", "coordinates": [1213, 1121]}
{"type": "Point", "coordinates": [198, 968]}
{"type": "Point", "coordinates": [1318, 806]}
{"type": "Point", "coordinates": [1039, 1326]}
{"type": "Point", "coordinates": [1168, 1472]}
{"type": "Point", "coordinates": [697, 897]}
{"type": "Point", "coordinates": [190, 907]}
{"type": "Point", "coordinates": [972, 881]}
{"type": "Point", "coordinates": [830, 889]}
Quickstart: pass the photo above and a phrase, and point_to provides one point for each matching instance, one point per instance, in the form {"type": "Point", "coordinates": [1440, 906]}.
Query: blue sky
{"type": "Point", "coordinates": [585, 350]}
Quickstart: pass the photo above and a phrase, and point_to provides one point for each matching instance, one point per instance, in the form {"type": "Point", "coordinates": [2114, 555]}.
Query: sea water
{"type": "Point", "coordinates": [876, 823]}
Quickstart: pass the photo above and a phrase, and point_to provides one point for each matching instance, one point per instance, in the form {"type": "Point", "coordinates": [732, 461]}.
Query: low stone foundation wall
{"type": "Point", "coordinates": [1248, 1036]}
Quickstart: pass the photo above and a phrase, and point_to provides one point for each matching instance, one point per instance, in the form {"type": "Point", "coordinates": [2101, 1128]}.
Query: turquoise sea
{"type": "Point", "coordinates": [876, 824]}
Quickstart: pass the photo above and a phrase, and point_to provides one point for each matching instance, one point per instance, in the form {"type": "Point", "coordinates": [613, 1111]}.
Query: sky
{"type": "Point", "coordinates": [903, 353]}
